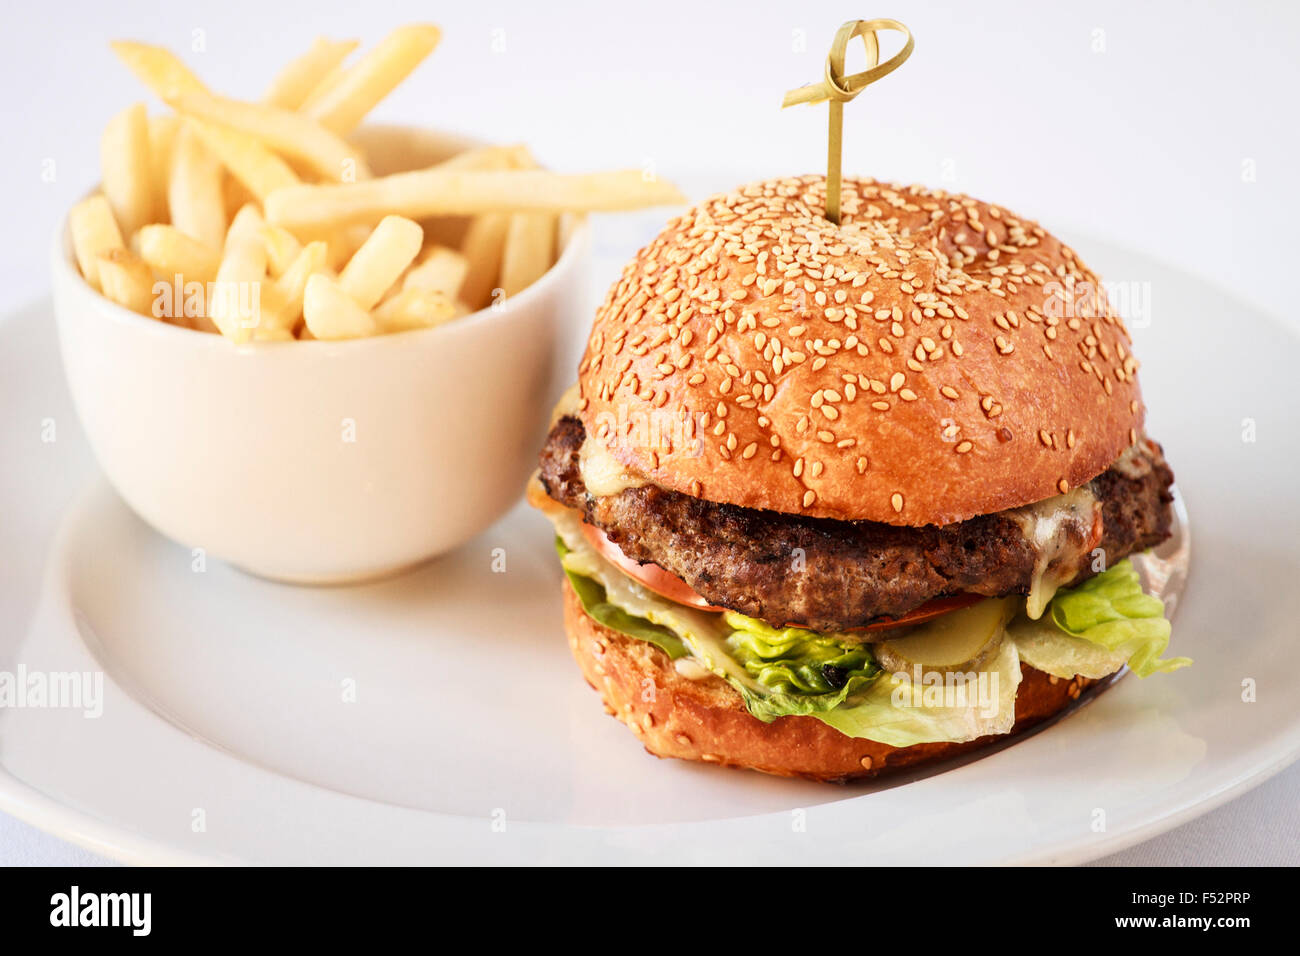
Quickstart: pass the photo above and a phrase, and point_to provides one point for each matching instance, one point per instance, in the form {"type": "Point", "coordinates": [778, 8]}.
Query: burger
{"type": "Point", "coordinates": [838, 498]}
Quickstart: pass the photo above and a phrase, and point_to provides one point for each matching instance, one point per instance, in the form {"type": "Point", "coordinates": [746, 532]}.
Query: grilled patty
{"type": "Point", "coordinates": [851, 573]}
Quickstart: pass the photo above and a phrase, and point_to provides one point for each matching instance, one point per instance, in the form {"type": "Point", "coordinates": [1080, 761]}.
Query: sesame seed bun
{"type": "Point", "coordinates": [930, 359]}
{"type": "Point", "coordinates": [706, 720]}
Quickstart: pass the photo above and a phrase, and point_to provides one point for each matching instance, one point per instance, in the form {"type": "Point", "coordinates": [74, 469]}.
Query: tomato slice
{"type": "Point", "coordinates": [664, 583]}
{"type": "Point", "coordinates": [670, 586]}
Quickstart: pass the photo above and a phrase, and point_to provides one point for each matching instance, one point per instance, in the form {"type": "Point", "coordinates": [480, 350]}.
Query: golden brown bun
{"type": "Point", "coordinates": [919, 364]}
{"type": "Point", "coordinates": [707, 720]}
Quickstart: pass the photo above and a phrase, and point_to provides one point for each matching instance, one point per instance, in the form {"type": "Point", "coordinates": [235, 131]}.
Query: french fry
{"type": "Point", "coordinates": [194, 193]}
{"type": "Point", "coordinates": [248, 160]}
{"type": "Point", "coordinates": [126, 280]}
{"type": "Point", "coordinates": [227, 197]}
{"type": "Point", "coordinates": [158, 69]}
{"type": "Point", "coordinates": [483, 246]}
{"type": "Point", "coordinates": [439, 192]}
{"type": "Point", "coordinates": [170, 252]}
{"type": "Point", "coordinates": [94, 233]}
{"type": "Point", "coordinates": [162, 145]}
{"type": "Point", "coordinates": [235, 195]}
{"type": "Point", "coordinates": [490, 157]}
{"type": "Point", "coordinates": [529, 252]}
{"type": "Point", "coordinates": [344, 241]}
{"type": "Point", "coordinates": [282, 248]}
{"type": "Point", "coordinates": [323, 88]}
{"type": "Point", "coordinates": [415, 308]}
{"type": "Point", "coordinates": [291, 87]}
{"type": "Point", "coordinates": [377, 265]}
{"type": "Point", "coordinates": [330, 313]}
{"type": "Point", "coordinates": [282, 131]}
{"type": "Point", "coordinates": [235, 305]}
{"type": "Point", "coordinates": [126, 168]}
{"type": "Point", "coordinates": [292, 285]}
{"type": "Point", "coordinates": [439, 270]}
{"type": "Point", "coordinates": [357, 90]}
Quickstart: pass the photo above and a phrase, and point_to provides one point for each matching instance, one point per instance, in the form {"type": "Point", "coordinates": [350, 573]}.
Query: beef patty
{"type": "Point", "coordinates": [853, 573]}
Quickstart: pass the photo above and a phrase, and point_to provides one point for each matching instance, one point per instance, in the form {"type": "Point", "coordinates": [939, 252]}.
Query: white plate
{"type": "Point", "coordinates": [223, 695]}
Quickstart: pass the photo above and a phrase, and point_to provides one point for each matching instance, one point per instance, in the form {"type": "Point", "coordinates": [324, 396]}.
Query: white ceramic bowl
{"type": "Point", "coordinates": [321, 462]}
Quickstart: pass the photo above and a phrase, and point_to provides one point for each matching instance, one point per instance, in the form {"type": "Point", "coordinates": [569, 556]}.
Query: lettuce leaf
{"type": "Point", "coordinates": [803, 672]}
{"type": "Point", "coordinates": [1045, 647]}
{"type": "Point", "coordinates": [1113, 612]}
{"type": "Point", "coordinates": [592, 595]}
{"type": "Point", "coordinates": [901, 712]}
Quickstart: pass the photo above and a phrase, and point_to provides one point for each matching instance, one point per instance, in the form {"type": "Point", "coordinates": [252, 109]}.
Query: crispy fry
{"type": "Point", "coordinates": [377, 265]}
{"type": "Point", "coordinates": [194, 193]}
{"type": "Point", "coordinates": [235, 194]}
{"type": "Point", "coordinates": [439, 269]}
{"type": "Point", "coordinates": [126, 280]}
{"type": "Point", "coordinates": [158, 69]}
{"type": "Point", "coordinates": [94, 233]}
{"type": "Point", "coordinates": [162, 145]}
{"type": "Point", "coordinates": [357, 90]}
{"type": "Point", "coordinates": [343, 242]}
{"type": "Point", "coordinates": [330, 313]}
{"type": "Point", "coordinates": [484, 244]}
{"type": "Point", "coordinates": [285, 132]}
{"type": "Point", "coordinates": [282, 248]}
{"type": "Point", "coordinates": [127, 168]}
{"type": "Point", "coordinates": [236, 301]}
{"type": "Point", "coordinates": [490, 157]}
{"type": "Point", "coordinates": [248, 160]}
{"type": "Point", "coordinates": [440, 192]}
{"type": "Point", "coordinates": [290, 89]}
{"type": "Point", "coordinates": [226, 197]}
{"type": "Point", "coordinates": [292, 285]}
{"type": "Point", "coordinates": [170, 252]}
{"type": "Point", "coordinates": [415, 308]}
{"type": "Point", "coordinates": [529, 252]}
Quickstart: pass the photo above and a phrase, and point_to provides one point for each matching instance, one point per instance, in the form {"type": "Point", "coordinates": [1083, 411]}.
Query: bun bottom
{"type": "Point", "coordinates": [706, 720]}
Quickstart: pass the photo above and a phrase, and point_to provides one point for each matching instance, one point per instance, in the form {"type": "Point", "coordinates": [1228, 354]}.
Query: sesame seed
{"type": "Point", "coordinates": [896, 500]}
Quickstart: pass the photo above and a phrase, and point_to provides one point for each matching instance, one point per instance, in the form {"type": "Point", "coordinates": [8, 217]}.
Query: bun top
{"type": "Point", "coordinates": [929, 359]}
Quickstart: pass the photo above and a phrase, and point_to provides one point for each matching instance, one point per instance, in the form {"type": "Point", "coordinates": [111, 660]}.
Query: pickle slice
{"type": "Point", "coordinates": [959, 640]}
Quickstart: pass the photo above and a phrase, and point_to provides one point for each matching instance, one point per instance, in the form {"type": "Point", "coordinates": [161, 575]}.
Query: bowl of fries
{"type": "Point", "coordinates": [317, 350]}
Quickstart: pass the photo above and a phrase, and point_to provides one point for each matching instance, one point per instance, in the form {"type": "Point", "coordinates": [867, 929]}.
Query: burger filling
{"type": "Point", "coordinates": [852, 574]}
{"type": "Point", "coordinates": [837, 630]}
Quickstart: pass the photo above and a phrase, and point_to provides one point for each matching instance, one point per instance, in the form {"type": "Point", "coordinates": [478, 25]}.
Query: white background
{"type": "Point", "coordinates": [1169, 127]}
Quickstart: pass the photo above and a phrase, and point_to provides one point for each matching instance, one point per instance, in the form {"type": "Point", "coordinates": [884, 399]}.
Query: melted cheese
{"type": "Point", "coordinates": [602, 473]}
{"type": "Point", "coordinates": [1045, 525]}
